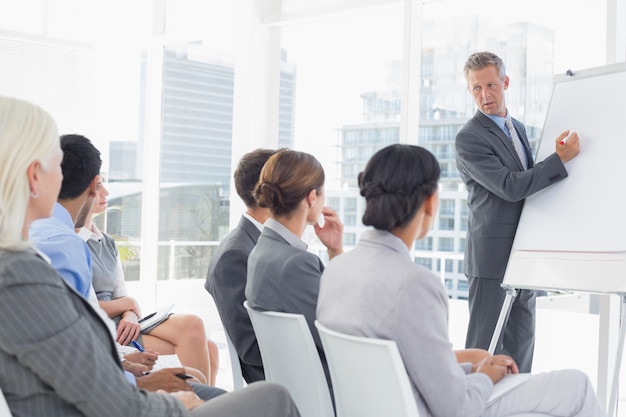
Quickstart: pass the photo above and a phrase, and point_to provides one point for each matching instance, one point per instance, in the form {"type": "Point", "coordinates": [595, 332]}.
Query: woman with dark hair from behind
{"type": "Point", "coordinates": [378, 291]}
{"type": "Point", "coordinates": [282, 275]}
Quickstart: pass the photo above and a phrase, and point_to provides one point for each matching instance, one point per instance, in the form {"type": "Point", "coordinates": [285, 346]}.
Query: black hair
{"type": "Point", "coordinates": [247, 174]}
{"type": "Point", "coordinates": [81, 163]}
{"type": "Point", "coordinates": [396, 181]}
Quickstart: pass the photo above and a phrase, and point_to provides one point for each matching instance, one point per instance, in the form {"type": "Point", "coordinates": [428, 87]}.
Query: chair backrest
{"type": "Point", "coordinates": [369, 377]}
{"type": "Point", "coordinates": [235, 365]}
{"type": "Point", "coordinates": [4, 407]}
{"type": "Point", "coordinates": [290, 358]}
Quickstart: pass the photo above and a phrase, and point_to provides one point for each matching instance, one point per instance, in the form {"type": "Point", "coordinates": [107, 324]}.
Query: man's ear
{"type": "Point", "coordinates": [93, 186]}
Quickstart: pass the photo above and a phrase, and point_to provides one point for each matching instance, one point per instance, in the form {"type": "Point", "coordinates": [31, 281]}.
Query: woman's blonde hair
{"type": "Point", "coordinates": [27, 134]}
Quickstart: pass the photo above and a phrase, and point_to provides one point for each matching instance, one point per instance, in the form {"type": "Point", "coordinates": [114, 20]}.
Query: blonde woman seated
{"type": "Point", "coordinates": [57, 357]}
{"type": "Point", "coordinates": [377, 290]}
{"type": "Point", "coordinates": [182, 334]}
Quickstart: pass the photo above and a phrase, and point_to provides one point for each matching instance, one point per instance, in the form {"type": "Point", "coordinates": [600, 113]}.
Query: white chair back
{"type": "Point", "coordinates": [4, 407]}
{"type": "Point", "coordinates": [290, 358]}
{"type": "Point", "coordinates": [369, 377]}
{"type": "Point", "coordinates": [235, 365]}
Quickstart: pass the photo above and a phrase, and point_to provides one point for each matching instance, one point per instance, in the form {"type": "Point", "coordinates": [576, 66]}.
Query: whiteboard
{"type": "Point", "coordinates": [572, 235]}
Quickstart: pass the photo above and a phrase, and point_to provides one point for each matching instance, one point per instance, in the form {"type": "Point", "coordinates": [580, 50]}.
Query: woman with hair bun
{"type": "Point", "coordinates": [282, 275]}
{"type": "Point", "coordinates": [377, 290]}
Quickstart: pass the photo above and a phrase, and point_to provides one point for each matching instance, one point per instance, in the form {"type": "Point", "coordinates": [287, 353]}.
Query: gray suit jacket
{"type": "Point", "coordinates": [286, 279]}
{"type": "Point", "coordinates": [226, 282]}
{"type": "Point", "coordinates": [497, 186]}
{"type": "Point", "coordinates": [57, 357]}
{"type": "Point", "coordinates": [377, 290]}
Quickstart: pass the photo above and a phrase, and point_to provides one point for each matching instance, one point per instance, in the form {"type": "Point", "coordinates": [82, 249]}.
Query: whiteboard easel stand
{"type": "Point", "coordinates": [618, 358]}
{"type": "Point", "coordinates": [511, 293]}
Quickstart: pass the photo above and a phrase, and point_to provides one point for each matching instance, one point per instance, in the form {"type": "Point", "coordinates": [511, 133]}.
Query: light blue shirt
{"type": "Point", "coordinates": [130, 378]}
{"type": "Point", "coordinates": [499, 120]}
{"type": "Point", "coordinates": [68, 253]}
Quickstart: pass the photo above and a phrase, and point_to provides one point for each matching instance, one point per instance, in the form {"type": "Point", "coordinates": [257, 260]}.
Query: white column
{"type": "Point", "coordinates": [615, 31]}
{"type": "Point", "coordinates": [257, 84]}
{"type": "Point", "coordinates": [151, 164]}
{"type": "Point", "coordinates": [411, 71]}
{"type": "Point", "coordinates": [609, 305]}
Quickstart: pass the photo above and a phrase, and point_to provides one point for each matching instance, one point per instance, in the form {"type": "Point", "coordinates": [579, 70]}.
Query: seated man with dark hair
{"type": "Point", "coordinates": [228, 270]}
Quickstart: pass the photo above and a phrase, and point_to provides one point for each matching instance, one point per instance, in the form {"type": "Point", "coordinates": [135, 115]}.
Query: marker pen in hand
{"type": "Point", "coordinates": [138, 346]}
{"type": "Point", "coordinates": [564, 140]}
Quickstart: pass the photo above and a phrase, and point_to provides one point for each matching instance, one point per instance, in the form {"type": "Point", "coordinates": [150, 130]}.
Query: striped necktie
{"type": "Point", "coordinates": [517, 142]}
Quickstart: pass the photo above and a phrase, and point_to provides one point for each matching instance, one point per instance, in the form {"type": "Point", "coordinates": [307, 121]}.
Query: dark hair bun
{"type": "Point", "coordinates": [268, 195]}
{"type": "Point", "coordinates": [395, 183]}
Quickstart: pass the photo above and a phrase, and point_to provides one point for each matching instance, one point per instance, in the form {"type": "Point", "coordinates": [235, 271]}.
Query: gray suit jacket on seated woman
{"type": "Point", "coordinates": [50, 355]}
{"type": "Point", "coordinates": [377, 290]}
{"type": "Point", "coordinates": [282, 275]}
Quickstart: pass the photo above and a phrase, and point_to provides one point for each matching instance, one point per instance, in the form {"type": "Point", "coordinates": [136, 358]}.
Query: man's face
{"type": "Point", "coordinates": [90, 200]}
{"type": "Point", "coordinates": [84, 212]}
{"type": "Point", "coordinates": [487, 88]}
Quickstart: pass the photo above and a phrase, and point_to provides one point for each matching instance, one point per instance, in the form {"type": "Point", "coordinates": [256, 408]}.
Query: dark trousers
{"type": "Point", "coordinates": [517, 338]}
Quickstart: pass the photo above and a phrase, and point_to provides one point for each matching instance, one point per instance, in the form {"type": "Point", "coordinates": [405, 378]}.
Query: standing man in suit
{"type": "Point", "coordinates": [228, 271]}
{"type": "Point", "coordinates": [498, 178]}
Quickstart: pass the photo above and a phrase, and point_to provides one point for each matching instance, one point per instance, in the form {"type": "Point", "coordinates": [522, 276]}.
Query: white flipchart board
{"type": "Point", "coordinates": [572, 235]}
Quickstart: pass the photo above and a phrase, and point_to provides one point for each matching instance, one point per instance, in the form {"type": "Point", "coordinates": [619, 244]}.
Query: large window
{"type": "Point", "coordinates": [162, 97]}
{"type": "Point", "coordinates": [173, 92]}
{"type": "Point", "coordinates": [347, 95]}
{"type": "Point", "coordinates": [352, 71]}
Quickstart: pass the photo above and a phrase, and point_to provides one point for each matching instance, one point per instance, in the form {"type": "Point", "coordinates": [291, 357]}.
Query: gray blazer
{"type": "Point", "coordinates": [286, 279]}
{"type": "Point", "coordinates": [376, 290]}
{"type": "Point", "coordinates": [226, 282]}
{"type": "Point", "coordinates": [497, 186]}
{"type": "Point", "coordinates": [57, 357]}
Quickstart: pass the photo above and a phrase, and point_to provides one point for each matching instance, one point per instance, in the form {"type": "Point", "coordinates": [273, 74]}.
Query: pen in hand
{"type": "Point", "coordinates": [564, 140]}
{"type": "Point", "coordinates": [138, 346]}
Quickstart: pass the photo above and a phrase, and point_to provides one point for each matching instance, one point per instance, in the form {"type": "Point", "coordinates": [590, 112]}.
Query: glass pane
{"type": "Point", "coordinates": [534, 46]}
{"type": "Point", "coordinates": [63, 56]}
{"type": "Point", "coordinates": [347, 98]}
{"type": "Point", "coordinates": [196, 134]}
{"type": "Point", "coordinates": [575, 31]}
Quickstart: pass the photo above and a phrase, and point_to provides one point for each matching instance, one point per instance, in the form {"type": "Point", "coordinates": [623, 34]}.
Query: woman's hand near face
{"type": "Point", "coordinates": [331, 234]}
